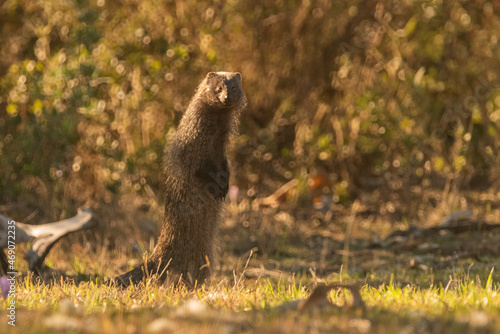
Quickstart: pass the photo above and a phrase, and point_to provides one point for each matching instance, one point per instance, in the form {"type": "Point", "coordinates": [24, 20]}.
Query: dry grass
{"type": "Point", "coordinates": [463, 305]}
{"type": "Point", "coordinates": [419, 286]}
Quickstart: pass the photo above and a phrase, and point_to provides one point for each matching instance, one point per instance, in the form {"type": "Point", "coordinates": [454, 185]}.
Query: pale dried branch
{"type": "Point", "coordinates": [44, 236]}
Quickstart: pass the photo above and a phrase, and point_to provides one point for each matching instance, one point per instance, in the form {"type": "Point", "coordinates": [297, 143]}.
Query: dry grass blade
{"type": "Point", "coordinates": [279, 196]}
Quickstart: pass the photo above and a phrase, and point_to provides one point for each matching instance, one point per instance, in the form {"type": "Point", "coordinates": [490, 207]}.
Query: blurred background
{"type": "Point", "coordinates": [393, 104]}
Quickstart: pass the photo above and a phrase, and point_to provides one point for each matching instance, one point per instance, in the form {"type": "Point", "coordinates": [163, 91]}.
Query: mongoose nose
{"type": "Point", "coordinates": [223, 97]}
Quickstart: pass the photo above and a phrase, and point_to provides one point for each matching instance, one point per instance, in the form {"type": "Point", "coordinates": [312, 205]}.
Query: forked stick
{"type": "Point", "coordinates": [43, 237]}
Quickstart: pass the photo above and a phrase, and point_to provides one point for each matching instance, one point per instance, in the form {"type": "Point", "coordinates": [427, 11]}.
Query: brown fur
{"type": "Point", "coordinates": [197, 182]}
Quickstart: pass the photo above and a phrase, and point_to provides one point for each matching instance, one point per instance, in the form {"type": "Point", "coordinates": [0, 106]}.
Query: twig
{"type": "Point", "coordinates": [347, 240]}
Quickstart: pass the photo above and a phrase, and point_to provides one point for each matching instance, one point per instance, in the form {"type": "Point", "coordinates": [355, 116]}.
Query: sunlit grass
{"type": "Point", "coordinates": [463, 304]}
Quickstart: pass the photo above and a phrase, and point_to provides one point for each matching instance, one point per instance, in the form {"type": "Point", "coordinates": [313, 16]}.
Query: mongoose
{"type": "Point", "coordinates": [197, 181]}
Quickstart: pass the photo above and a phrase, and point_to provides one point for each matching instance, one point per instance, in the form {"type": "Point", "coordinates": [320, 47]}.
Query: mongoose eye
{"type": "Point", "coordinates": [218, 89]}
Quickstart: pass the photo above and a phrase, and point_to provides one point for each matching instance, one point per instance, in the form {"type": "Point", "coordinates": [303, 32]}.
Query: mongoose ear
{"type": "Point", "coordinates": [212, 75]}
{"type": "Point", "coordinates": [237, 76]}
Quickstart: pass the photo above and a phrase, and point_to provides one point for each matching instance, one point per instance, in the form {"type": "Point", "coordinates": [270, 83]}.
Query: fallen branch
{"type": "Point", "coordinates": [44, 237]}
{"type": "Point", "coordinates": [457, 223]}
{"type": "Point", "coordinates": [319, 298]}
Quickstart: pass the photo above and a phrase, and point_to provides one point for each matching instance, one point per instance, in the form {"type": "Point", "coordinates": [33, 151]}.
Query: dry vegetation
{"type": "Point", "coordinates": [381, 116]}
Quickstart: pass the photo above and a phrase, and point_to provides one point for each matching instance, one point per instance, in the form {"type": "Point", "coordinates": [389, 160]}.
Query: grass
{"type": "Point", "coordinates": [464, 304]}
{"type": "Point", "coordinates": [423, 285]}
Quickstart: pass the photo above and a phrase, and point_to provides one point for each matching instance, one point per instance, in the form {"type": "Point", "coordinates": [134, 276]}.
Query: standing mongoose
{"type": "Point", "coordinates": [197, 181]}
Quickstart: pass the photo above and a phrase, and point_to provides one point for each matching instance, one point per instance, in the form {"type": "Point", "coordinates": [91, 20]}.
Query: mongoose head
{"type": "Point", "coordinates": [223, 89]}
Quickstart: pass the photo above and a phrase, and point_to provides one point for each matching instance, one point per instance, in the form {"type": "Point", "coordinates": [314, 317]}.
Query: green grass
{"type": "Point", "coordinates": [253, 305]}
{"type": "Point", "coordinates": [437, 283]}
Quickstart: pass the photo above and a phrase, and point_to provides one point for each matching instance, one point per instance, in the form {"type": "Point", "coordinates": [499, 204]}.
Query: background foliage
{"type": "Point", "coordinates": [378, 100]}
{"type": "Point", "coordinates": [385, 114]}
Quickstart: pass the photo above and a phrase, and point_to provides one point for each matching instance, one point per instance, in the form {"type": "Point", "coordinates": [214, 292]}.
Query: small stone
{"type": "Point", "coordinates": [193, 308]}
{"type": "Point", "coordinates": [361, 325]}
{"type": "Point", "coordinates": [60, 322]}
{"type": "Point", "coordinates": [478, 319]}
{"type": "Point", "coordinates": [162, 325]}
{"type": "Point", "coordinates": [66, 306]}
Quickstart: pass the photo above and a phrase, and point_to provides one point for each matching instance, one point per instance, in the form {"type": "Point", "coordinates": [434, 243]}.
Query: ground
{"type": "Point", "coordinates": [419, 278]}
